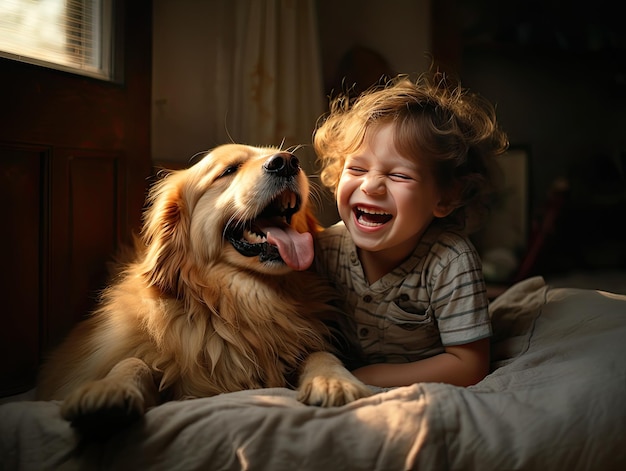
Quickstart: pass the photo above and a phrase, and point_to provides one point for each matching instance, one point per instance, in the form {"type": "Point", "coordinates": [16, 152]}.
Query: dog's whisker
{"type": "Point", "coordinates": [232, 141]}
{"type": "Point", "coordinates": [316, 194]}
{"type": "Point", "coordinates": [238, 218]}
{"type": "Point", "coordinates": [201, 153]}
{"type": "Point", "coordinates": [232, 223]}
{"type": "Point", "coordinates": [295, 148]}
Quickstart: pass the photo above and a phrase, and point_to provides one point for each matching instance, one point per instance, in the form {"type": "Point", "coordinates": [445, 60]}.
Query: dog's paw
{"type": "Point", "coordinates": [331, 391]}
{"type": "Point", "coordinates": [326, 382]}
{"type": "Point", "coordinates": [99, 408]}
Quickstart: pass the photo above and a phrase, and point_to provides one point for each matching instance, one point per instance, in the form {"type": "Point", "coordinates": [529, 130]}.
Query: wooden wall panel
{"type": "Point", "coordinates": [88, 194]}
{"type": "Point", "coordinates": [22, 187]}
{"type": "Point", "coordinates": [63, 217]}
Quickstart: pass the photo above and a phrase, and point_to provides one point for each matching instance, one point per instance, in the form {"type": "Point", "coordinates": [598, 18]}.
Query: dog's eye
{"type": "Point", "coordinates": [229, 170]}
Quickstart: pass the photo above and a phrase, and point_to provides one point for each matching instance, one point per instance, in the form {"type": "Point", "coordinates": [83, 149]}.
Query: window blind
{"type": "Point", "coordinates": [72, 35]}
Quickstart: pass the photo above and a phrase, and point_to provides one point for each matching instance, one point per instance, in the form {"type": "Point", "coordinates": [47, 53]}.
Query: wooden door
{"type": "Point", "coordinates": [74, 161]}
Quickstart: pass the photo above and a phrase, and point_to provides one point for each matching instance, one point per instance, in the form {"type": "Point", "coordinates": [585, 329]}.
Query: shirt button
{"type": "Point", "coordinates": [367, 298]}
{"type": "Point", "coordinates": [353, 258]}
{"type": "Point", "coordinates": [363, 332]}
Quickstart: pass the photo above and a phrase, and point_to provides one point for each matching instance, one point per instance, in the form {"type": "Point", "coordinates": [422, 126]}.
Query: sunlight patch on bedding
{"type": "Point", "coordinates": [607, 294]}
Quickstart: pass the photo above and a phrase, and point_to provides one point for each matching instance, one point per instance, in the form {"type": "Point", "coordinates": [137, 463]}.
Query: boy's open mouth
{"type": "Point", "coordinates": [370, 217]}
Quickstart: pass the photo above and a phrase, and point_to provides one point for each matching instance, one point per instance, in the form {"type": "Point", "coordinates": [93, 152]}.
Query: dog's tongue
{"type": "Point", "coordinates": [295, 248]}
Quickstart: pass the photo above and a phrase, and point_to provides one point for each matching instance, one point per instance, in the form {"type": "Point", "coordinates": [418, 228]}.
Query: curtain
{"type": "Point", "coordinates": [269, 81]}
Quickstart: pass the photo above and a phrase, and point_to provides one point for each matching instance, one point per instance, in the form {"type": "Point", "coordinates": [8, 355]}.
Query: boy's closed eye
{"type": "Point", "coordinates": [356, 170]}
{"type": "Point", "coordinates": [400, 177]}
{"type": "Point", "coordinates": [393, 176]}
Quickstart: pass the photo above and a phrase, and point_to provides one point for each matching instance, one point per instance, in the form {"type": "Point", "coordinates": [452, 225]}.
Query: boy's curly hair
{"type": "Point", "coordinates": [452, 131]}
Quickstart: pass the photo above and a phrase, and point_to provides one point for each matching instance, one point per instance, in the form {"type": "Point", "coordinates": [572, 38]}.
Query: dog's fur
{"type": "Point", "coordinates": [191, 316]}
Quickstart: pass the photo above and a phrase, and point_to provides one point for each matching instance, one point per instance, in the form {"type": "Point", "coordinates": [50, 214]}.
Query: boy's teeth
{"type": "Point", "coordinates": [368, 211]}
{"type": "Point", "coordinates": [368, 223]}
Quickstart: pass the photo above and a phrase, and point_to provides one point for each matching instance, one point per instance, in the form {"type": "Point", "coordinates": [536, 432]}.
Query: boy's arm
{"type": "Point", "coordinates": [461, 365]}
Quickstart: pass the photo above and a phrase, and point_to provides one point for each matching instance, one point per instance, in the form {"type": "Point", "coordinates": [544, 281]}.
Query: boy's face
{"type": "Point", "coordinates": [385, 200]}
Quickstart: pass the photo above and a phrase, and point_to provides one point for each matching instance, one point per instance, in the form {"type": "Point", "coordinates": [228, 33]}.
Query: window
{"type": "Point", "coordinates": [70, 35]}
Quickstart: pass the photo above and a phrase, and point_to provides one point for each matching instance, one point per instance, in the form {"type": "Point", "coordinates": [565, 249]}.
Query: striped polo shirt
{"type": "Point", "coordinates": [435, 298]}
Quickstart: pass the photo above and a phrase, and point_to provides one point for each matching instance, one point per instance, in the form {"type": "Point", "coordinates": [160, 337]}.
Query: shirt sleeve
{"type": "Point", "coordinates": [459, 298]}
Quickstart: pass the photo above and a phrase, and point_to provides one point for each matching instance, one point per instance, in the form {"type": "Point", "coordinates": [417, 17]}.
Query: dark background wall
{"type": "Point", "coordinates": [556, 71]}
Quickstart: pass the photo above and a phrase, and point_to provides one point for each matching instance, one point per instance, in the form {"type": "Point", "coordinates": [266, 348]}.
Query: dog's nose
{"type": "Point", "coordinates": [283, 164]}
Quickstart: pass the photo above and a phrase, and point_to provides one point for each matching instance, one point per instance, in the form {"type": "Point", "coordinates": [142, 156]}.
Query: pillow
{"type": "Point", "coordinates": [513, 315]}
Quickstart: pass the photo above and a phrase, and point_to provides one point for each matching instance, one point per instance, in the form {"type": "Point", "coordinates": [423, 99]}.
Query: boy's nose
{"type": "Point", "coordinates": [373, 184]}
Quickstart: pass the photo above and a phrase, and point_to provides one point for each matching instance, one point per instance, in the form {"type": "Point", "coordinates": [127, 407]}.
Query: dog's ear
{"type": "Point", "coordinates": [165, 235]}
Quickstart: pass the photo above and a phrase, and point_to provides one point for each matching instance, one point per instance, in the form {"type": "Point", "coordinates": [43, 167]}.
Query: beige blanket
{"type": "Point", "coordinates": [556, 400]}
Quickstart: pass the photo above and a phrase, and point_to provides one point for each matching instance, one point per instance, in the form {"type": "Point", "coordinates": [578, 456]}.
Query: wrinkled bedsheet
{"type": "Point", "coordinates": [556, 400]}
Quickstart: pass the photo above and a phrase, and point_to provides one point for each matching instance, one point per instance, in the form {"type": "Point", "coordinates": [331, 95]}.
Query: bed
{"type": "Point", "coordinates": [555, 400]}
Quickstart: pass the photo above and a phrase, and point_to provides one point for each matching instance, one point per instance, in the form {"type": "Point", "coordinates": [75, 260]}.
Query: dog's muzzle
{"type": "Point", "coordinates": [269, 235]}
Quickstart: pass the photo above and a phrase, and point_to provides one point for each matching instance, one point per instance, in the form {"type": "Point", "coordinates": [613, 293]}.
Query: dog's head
{"type": "Point", "coordinates": [241, 205]}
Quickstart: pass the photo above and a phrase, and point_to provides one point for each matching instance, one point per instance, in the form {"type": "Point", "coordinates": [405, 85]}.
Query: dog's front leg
{"type": "Point", "coordinates": [325, 382]}
{"type": "Point", "coordinates": [99, 408]}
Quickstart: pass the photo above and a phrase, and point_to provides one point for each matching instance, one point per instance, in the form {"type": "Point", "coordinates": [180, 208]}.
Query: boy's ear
{"type": "Point", "coordinates": [449, 201]}
{"type": "Point", "coordinates": [443, 209]}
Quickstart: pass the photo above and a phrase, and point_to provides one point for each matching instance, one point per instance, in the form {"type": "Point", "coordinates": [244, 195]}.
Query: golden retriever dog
{"type": "Point", "coordinates": [217, 299]}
